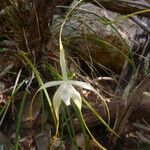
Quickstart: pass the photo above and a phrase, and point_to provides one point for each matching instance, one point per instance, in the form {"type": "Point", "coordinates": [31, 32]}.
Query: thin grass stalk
{"type": "Point", "coordinates": [67, 124]}
{"type": "Point", "coordinates": [86, 137]}
{"type": "Point", "coordinates": [129, 15]}
{"type": "Point", "coordinates": [4, 110]}
{"type": "Point", "coordinates": [19, 120]}
{"type": "Point", "coordinates": [54, 71]}
{"type": "Point", "coordinates": [62, 125]}
{"type": "Point", "coordinates": [98, 116]}
{"type": "Point", "coordinates": [43, 110]}
{"type": "Point", "coordinates": [71, 126]}
{"type": "Point", "coordinates": [15, 89]}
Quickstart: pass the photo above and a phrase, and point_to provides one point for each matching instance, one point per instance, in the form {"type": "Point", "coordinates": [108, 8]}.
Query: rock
{"type": "Point", "coordinates": [42, 139]}
{"type": "Point", "coordinates": [92, 19]}
{"type": "Point", "coordinates": [92, 37]}
{"type": "Point", "coordinates": [27, 121]}
{"type": "Point", "coordinates": [5, 143]}
{"type": "Point", "coordinates": [80, 140]}
{"type": "Point", "coordinates": [42, 118]}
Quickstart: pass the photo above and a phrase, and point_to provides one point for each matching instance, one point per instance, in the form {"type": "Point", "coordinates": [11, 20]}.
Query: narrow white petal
{"type": "Point", "coordinates": [78, 103]}
{"type": "Point", "coordinates": [81, 84]}
{"type": "Point", "coordinates": [56, 103]}
{"type": "Point", "coordinates": [86, 86]}
{"type": "Point", "coordinates": [77, 99]}
{"type": "Point", "coordinates": [50, 84]}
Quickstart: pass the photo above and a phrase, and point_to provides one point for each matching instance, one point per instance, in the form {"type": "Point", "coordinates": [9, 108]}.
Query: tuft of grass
{"type": "Point", "coordinates": [40, 81]}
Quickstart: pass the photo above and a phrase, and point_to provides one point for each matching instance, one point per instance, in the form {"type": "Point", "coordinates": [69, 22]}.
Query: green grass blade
{"type": "Point", "coordinates": [129, 15]}
{"type": "Point", "coordinates": [86, 137]}
{"type": "Point", "coordinates": [15, 89]}
{"type": "Point", "coordinates": [19, 120]}
{"type": "Point", "coordinates": [98, 116]}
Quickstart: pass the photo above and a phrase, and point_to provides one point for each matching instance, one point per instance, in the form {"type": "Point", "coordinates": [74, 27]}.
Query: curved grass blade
{"type": "Point", "coordinates": [40, 82]}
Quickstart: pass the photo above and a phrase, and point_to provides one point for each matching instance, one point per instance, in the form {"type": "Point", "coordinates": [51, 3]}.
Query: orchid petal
{"type": "Point", "coordinates": [78, 102]}
{"type": "Point", "coordinates": [76, 97]}
{"type": "Point", "coordinates": [50, 84]}
{"type": "Point", "coordinates": [82, 84]}
{"type": "Point", "coordinates": [56, 103]}
{"type": "Point", "coordinates": [87, 86]}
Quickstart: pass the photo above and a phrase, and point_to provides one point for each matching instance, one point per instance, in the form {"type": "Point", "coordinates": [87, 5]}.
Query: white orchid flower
{"type": "Point", "coordinates": [66, 92]}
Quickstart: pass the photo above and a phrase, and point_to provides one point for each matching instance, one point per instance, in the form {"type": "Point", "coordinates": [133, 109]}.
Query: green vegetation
{"type": "Point", "coordinates": [71, 75]}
